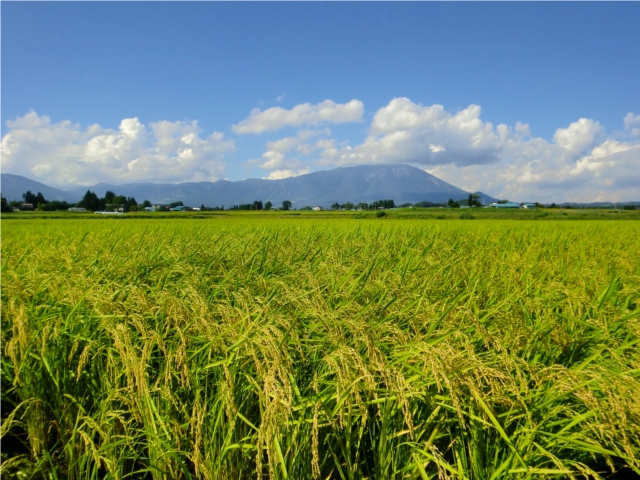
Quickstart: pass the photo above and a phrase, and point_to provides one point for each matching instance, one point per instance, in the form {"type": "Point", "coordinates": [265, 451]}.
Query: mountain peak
{"type": "Point", "coordinates": [362, 183]}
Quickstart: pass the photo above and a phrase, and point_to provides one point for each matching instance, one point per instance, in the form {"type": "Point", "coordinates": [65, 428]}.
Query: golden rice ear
{"type": "Point", "coordinates": [243, 347]}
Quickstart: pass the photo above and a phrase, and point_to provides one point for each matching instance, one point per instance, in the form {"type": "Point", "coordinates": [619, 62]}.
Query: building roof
{"type": "Point", "coordinates": [505, 205]}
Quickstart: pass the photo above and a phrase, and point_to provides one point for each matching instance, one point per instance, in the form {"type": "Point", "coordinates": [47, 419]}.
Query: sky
{"type": "Point", "coordinates": [521, 100]}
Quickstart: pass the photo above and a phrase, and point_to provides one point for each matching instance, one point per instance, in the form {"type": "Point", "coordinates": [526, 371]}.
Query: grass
{"type": "Point", "coordinates": [265, 347]}
{"type": "Point", "coordinates": [397, 213]}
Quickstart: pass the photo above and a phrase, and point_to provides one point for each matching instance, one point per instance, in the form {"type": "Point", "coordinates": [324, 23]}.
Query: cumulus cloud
{"type": "Point", "coordinates": [280, 174]}
{"type": "Point", "coordinates": [406, 132]}
{"type": "Point", "coordinates": [276, 118]}
{"type": "Point", "coordinates": [277, 155]}
{"type": "Point", "coordinates": [537, 170]}
{"type": "Point", "coordinates": [580, 164]}
{"type": "Point", "coordinates": [579, 136]}
{"type": "Point", "coordinates": [62, 153]}
{"type": "Point", "coordinates": [632, 124]}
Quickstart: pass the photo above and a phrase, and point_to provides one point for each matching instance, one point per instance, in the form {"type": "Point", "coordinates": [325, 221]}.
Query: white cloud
{"type": "Point", "coordinates": [580, 135]}
{"type": "Point", "coordinates": [580, 164]}
{"type": "Point", "coordinates": [542, 171]}
{"type": "Point", "coordinates": [407, 132]}
{"type": "Point", "coordinates": [276, 155]}
{"type": "Point", "coordinates": [280, 174]}
{"type": "Point", "coordinates": [276, 118]}
{"type": "Point", "coordinates": [61, 153]}
{"type": "Point", "coordinates": [631, 121]}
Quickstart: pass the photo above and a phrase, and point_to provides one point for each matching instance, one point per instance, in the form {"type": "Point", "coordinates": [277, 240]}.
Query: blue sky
{"type": "Point", "coordinates": [527, 101]}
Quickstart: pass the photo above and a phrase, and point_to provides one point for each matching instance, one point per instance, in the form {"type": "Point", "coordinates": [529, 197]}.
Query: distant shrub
{"type": "Point", "coordinates": [380, 213]}
{"type": "Point", "coordinates": [440, 217]}
{"type": "Point", "coordinates": [466, 216]}
{"type": "Point", "coordinates": [629, 207]}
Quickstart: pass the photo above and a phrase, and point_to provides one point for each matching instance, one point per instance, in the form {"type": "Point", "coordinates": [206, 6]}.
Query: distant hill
{"type": "Point", "coordinates": [13, 186]}
{"type": "Point", "coordinates": [365, 183]}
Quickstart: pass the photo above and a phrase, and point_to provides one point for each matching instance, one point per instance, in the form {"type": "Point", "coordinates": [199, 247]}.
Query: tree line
{"type": "Point", "coordinates": [110, 202]}
{"type": "Point", "coordinates": [257, 205]}
{"type": "Point", "coordinates": [389, 203]}
{"type": "Point", "coordinates": [90, 201]}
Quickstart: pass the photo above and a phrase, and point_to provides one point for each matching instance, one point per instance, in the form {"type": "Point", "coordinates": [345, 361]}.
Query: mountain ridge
{"type": "Point", "coordinates": [13, 186]}
{"type": "Point", "coordinates": [364, 183]}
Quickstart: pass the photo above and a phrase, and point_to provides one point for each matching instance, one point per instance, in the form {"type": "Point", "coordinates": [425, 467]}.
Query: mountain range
{"type": "Point", "coordinates": [365, 183]}
{"type": "Point", "coordinates": [13, 186]}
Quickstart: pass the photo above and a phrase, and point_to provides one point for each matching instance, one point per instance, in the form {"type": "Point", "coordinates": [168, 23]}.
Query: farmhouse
{"type": "Point", "coordinates": [317, 209]}
{"type": "Point", "coordinates": [528, 206]}
{"type": "Point", "coordinates": [77, 209]}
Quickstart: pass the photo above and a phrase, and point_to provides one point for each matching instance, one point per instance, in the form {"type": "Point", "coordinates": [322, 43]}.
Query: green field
{"type": "Point", "coordinates": [301, 347]}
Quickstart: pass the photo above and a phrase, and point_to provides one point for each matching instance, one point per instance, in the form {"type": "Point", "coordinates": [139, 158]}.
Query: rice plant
{"type": "Point", "coordinates": [230, 348]}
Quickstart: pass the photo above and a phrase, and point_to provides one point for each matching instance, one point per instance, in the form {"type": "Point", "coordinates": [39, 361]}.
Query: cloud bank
{"type": "Point", "coordinates": [63, 154]}
{"type": "Point", "coordinates": [581, 162]}
{"type": "Point", "coordinates": [276, 118]}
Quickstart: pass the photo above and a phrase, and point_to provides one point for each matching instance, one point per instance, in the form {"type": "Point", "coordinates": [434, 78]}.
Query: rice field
{"type": "Point", "coordinates": [238, 347]}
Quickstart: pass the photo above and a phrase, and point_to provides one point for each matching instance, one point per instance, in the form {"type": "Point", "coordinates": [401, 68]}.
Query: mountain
{"type": "Point", "coordinates": [365, 183]}
{"type": "Point", "coordinates": [13, 186]}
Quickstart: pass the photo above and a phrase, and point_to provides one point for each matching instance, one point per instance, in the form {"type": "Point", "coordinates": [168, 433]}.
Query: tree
{"type": "Point", "coordinates": [131, 204]}
{"type": "Point", "coordinates": [5, 208]}
{"type": "Point", "coordinates": [362, 206]}
{"type": "Point", "coordinates": [119, 201]}
{"type": "Point", "coordinates": [470, 200]}
{"type": "Point", "coordinates": [145, 204]}
{"type": "Point", "coordinates": [109, 196]}
{"type": "Point", "coordinates": [268, 205]}
{"type": "Point", "coordinates": [55, 205]}
{"type": "Point", "coordinates": [348, 206]}
{"type": "Point", "coordinates": [286, 205]}
{"type": "Point", "coordinates": [90, 201]}
{"type": "Point", "coordinates": [34, 199]}
{"type": "Point", "coordinates": [335, 206]}
{"type": "Point", "coordinates": [389, 203]}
